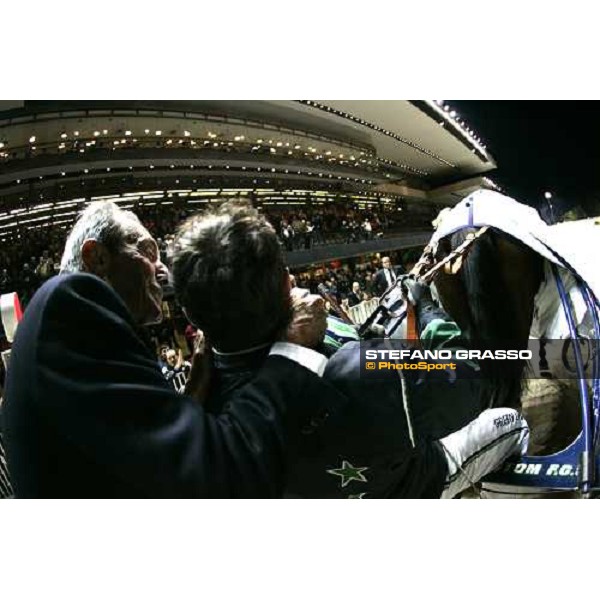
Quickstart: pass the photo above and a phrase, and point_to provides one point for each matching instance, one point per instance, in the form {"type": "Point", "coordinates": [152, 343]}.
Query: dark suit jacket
{"type": "Point", "coordinates": [87, 412]}
{"type": "Point", "coordinates": [380, 281]}
{"type": "Point", "coordinates": [353, 299]}
{"type": "Point", "coordinates": [373, 430]}
{"type": "Point", "coordinates": [360, 431]}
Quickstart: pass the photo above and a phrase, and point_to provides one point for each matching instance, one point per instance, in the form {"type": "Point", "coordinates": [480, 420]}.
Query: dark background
{"type": "Point", "coordinates": [541, 146]}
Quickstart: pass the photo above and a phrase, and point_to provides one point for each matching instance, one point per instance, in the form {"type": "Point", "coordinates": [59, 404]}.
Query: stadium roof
{"type": "Point", "coordinates": [424, 136]}
{"type": "Point", "coordinates": [421, 134]}
{"type": "Point", "coordinates": [56, 152]}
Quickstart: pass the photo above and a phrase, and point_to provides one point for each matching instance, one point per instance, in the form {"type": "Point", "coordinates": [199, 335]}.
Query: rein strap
{"type": "Point", "coordinates": [451, 263]}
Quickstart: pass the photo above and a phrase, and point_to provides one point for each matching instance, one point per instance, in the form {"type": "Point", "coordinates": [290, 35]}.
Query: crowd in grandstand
{"type": "Point", "coordinates": [28, 262]}
{"type": "Point", "coordinates": [300, 230]}
{"type": "Point", "coordinates": [34, 256]}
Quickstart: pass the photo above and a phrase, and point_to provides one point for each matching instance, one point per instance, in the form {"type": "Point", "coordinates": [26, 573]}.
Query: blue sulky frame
{"type": "Point", "coordinates": [577, 467]}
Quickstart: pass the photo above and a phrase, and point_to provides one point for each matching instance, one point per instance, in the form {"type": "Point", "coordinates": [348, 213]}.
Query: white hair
{"type": "Point", "coordinates": [102, 221]}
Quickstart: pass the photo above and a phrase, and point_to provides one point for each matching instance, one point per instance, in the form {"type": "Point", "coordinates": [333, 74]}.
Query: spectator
{"type": "Point", "coordinates": [45, 268]}
{"type": "Point", "coordinates": [386, 276]}
{"type": "Point", "coordinates": [308, 239]}
{"type": "Point", "coordinates": [176, 370]}
{"type": "Point", "coordinates": [355, 296]}
{"type": "Point", "coordinates": [27, 282]}
{"type": "Point", "coordinates": [317, 223]}
{"type": "Point", "coordinates": [332, 288]}
{"type": "Point", "coordinates": [162, 356]}
{"type": "Point", "coordinates": [299, 227]}
{"type": "Point", "coordinates": [288, 236]}
{"type": "Point", "coordinates": [5, 282]}
{"type": "Point", "coordinates": [368, 284]}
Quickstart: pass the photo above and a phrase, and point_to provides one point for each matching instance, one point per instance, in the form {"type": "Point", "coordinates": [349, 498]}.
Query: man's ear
{"type": "Point", "coordinates": [95, 257]}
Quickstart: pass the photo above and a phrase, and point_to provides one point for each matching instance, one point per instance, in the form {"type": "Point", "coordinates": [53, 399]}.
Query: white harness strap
{"type": "Point", "coordinates": [486, 208]}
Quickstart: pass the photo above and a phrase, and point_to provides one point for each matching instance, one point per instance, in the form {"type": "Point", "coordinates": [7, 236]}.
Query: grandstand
{"type": "Point", "coordinates": [393, 163]}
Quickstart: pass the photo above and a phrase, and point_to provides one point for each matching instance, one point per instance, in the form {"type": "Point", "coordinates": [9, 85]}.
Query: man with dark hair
{"type": "Point", "coordinates": [236, 255]}
{"type": "Point", "coordinates": [364, 443]}
{"type": "Point", "coordinates": [87, 412]}
{"type": "Point", "coordinates": [176, 370]}
{"type": "Point", "coordinates": [162, 356]}
{"type": "Point", "coordinates": [231, 280]}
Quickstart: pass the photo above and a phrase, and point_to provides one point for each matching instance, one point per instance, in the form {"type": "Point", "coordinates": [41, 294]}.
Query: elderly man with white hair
{"type": "Point", "coordinates": [87, 412]}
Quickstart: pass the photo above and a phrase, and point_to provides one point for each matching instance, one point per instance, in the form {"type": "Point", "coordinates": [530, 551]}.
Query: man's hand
{"type": "Point", "coordinates": [309, 320]}
{"type": "Point", "coordinates": [199, 379]}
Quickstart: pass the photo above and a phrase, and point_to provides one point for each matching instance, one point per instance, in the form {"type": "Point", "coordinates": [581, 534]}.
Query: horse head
{"type": "Point", "coordinates": [491, 298]}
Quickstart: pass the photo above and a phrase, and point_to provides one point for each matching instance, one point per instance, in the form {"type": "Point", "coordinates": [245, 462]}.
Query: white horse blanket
{"type": "Point", "coordinates": [573, 247]}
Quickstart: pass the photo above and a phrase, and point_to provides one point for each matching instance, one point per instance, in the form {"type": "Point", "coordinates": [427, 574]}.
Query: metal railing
{"type": "Point", "coordinates": [361, 312]}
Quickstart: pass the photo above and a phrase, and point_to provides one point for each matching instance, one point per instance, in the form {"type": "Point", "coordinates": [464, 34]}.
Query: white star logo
{"type": "Point", "coordinates": [349, 473]}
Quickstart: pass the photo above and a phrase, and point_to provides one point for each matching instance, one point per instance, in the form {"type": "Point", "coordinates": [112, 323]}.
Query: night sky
{"type": "Point", "coordinates": [541, 145]}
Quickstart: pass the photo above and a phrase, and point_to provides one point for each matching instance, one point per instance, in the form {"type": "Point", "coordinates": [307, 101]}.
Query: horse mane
{"type": "Point", "coordinates": [491, 320]}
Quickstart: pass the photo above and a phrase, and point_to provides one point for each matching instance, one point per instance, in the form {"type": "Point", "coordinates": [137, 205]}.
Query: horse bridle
{"type": "Point", "coordinates": [427, 266]}
{"type": "Point", "coordinates": [425, 269]}
{"type": "Point", "coordinates": [583, 450]}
